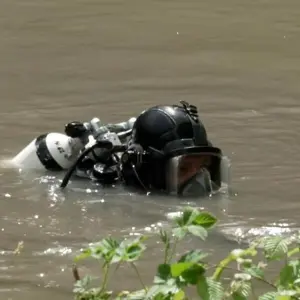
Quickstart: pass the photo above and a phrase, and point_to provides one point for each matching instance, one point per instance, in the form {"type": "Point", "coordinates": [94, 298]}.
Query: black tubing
{"type": "Point", "coordinates": [102, 144]}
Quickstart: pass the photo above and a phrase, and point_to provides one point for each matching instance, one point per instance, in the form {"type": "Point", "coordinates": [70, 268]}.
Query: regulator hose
{"type": "Point", "coordinates": [98, 144]}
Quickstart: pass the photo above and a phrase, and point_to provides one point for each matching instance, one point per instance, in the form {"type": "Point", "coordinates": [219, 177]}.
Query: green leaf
{"type": "Point", "coordinates": [82, 285]}
{"type": "Point", "coordinates": [293, 251]}
{"type": "Point", "coordinates": [164, 284]}
{"type": "Point", "coordinates": [180, 295]}
{"type": "Point", "coordinates": [295, 263]}
{"type": "Point", "coordinates": [178, 268]}
{"type": "Point", "coordinates": [188, 216]}
{"type": "Point", "coordinates": [134, 252]}
{"type": "Point", "coordinates": [240, 253]}
{"type": "Point", "coordinates": [240, 277]}
{"type": "Point", "coordinates": [92, 294]}
{"type": "Point", "coordinates": [106, 295]}
{"type": "Point", "coordinates": [287, 295]}
{"type": "Point", "coordinates": [283, 297]}
{"type": "Point", "coordinates": [116, 258]}
{"type": "Point", "coordinates": [255, 271]}
{"type": "Point", "coordinates": [158, 280]}
{"type": "Point", "coordinates": [287, 276]}
{"type": "Point", "coordinates": [244, 262]}
{"type": "Point", "coordinates": [205, 220]}
{"type": "Point", "coordinates": [129, 250]}
{"type": "Point", "coordinates": [268, 296]}
{"type": "Point", "coordinates": [164, 271]}
{"type": "Point", "coordinates": [192, 275]}
{"type": "Point", "coordinates": [86, 253]}
{"type": "Point", "coordinates": [97, 253]}
{"type": "Point", "coordinates": [193, 256]}
{"type": "Point", "coordinates": [136, 295]}
{"type": "Point", "coordinates": [105, 249]}
{"type": "Point", "coordinates": [240, 290]}
{"type": "Point", "coordinates": [209, 289]}
{"type": "Point", "coordinates": [237, 296]}
{"type": "Point", "coordinates": [169, 287]}
{"type": "Point", "coordinates": [164, 236]}
{"type": "Point", "coordinates": [197, 231]}
{"type": "Point", "coordinates": [179, 232]}
{"type": "Point", "coordinates": [276, 247]}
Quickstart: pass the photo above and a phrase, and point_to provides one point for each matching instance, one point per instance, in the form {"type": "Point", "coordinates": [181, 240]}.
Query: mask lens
{"type": "Point", "coordinates": [190, 165]}
{"type": "Point", "coordinates": [190, 174]}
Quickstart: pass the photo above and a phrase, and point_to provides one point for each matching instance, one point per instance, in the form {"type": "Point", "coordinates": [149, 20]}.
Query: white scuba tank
{"type": "Point", "coordinates": [58, 151]}
{"type": "Point", "coordinates": [51, 151]}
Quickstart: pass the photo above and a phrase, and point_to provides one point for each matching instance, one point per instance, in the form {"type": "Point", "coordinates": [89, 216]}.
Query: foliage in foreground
{"type": "Point", "coordinates": [192, 269]}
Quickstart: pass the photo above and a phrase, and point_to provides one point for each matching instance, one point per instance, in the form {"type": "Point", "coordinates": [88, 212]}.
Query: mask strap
{"type": "Point", "coordinates": [198, 127]}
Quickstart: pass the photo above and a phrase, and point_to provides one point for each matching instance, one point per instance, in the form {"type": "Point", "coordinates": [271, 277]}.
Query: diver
{"type": "Point", "coordinates": [168, 151]}
{"type": "Point", "coordinates": [165, 149]}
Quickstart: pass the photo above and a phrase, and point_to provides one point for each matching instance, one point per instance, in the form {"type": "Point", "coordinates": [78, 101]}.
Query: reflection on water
{"type": "Point", "coordinates": [72, 60]}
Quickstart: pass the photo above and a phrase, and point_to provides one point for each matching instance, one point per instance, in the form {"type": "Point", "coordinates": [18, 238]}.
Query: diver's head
{"type": "Point", "coordinates": [170, 151]}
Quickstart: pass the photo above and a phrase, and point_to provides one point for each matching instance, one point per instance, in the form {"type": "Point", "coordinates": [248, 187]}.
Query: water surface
{"type": "Point", "coordinates": [67, 60]}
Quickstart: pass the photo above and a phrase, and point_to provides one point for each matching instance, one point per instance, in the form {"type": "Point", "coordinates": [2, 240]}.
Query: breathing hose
{"type": "Point", "coordinates": [99, 144]}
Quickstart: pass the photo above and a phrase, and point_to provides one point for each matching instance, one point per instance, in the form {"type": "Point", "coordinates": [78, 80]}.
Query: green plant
{"type": "Point", "coordinates": [192, 269]}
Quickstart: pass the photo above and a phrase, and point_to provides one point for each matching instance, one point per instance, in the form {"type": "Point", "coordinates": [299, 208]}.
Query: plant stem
{"type": "Point", "coordinates": [167, 248]}
{"type": "Point", "coordinates": [118, 266]}
{"type": "Point", "coordinates": [138, 275]}
{"type": "Point", "coordinates": [114, 271]}
{"type": "Point", "coordinates": [256, 277]}
{"type": "Point", "coordinates": [221, 266]}
{"type": "Point", "coordinates": [173, 250]}
{"type": "Point", "coordinates": [226, 261]}
{"type": "Point", "coordinates": [105, 278]}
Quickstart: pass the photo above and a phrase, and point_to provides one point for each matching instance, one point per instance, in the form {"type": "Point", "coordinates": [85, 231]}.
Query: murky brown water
{"type": "Point", "coordinates": [73, 60]}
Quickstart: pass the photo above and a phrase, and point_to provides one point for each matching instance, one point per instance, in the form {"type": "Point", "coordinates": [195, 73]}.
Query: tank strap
{"type": "Point", "coordinates": [44, 155]}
